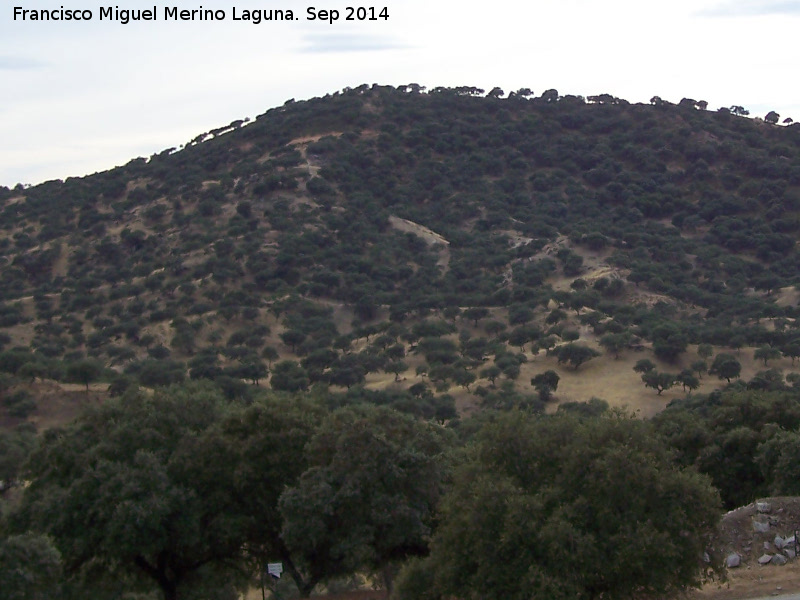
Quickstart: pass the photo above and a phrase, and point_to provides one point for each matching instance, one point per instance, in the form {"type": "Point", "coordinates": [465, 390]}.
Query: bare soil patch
{"type": "Point", "coordinates": [58, 403]}
{"type": "Point", "coordinates": [428, 236]}
{"type": "Point", "coordinates": [255, 594]}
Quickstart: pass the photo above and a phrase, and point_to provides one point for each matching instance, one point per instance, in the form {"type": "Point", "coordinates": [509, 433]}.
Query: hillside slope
{"type": "Point", "coordinates": [391, 236]}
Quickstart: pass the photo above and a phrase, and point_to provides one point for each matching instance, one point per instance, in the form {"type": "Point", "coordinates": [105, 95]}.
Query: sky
{"type": "Point", "coordinates": [79, 97]}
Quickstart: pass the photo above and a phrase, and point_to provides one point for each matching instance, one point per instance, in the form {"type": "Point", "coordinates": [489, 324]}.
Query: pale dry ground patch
{"type": "Point", "coordinates": [603, 377]}
{"type": "Point", "coordinates": [22, 333]}
{"type": "Point", "coordinates": [788, 296]}
{"type": "Point", "coordinates": [61, 263]}
{"type": "Point", "coordinates": [255, 594]}
{"type": "Point", "coordinates": [429, 236]}
{"type": "Point", "coordinates": [615, 381]}
{"type": "Point", "coordinates": [753, 582]}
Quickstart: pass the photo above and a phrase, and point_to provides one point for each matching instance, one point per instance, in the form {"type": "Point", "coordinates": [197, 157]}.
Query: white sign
{"type": "Point", "coordinates": [275, 569]}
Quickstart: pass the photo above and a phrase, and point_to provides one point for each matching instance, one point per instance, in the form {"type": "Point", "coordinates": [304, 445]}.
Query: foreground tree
{"type": "Point", "coordinates": [737, 438]}
{"type": "Point", "coordinates": [117, 490]}
{"type": "Point", "coordinates": [266, 442]}
{"type": "Point", "coordinates": [15, 446]}
{"type": "Point", "coordinates": [30, 568]}
{"type": "Point", "coordinates": [616, 342]}
{"type": "Point", "coordinates": [369, 497]}
{"type": "Point", "coordinates": [564, 507]}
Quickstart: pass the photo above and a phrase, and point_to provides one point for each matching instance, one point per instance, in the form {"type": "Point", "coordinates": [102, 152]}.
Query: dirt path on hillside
{"type": "Point", "coordinates": [428, 236]}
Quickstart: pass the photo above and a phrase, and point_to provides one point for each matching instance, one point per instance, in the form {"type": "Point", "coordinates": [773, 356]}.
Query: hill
{"type": "Point", "coordinates": [446, 242]}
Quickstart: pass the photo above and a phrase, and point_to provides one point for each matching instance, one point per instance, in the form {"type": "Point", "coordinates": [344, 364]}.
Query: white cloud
{"type": "Point", "coordinates": [335, 42]}
{"type": "Point", "coordinates": [739, 8]}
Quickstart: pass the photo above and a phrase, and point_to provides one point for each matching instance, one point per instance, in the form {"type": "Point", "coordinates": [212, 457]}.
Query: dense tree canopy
{"type": "Point", "coordinates": [184, 491]}
{"type": "Point", "coordinates": [119, 488]}
{"type": "Point", "coordinates": [30, 568]}
{"type": "Point", "coordinates": [370, 495]}
{"type": "Point", "coordinates": [558, 507]}
{"type": "Point", "coordinates": [738, 438]}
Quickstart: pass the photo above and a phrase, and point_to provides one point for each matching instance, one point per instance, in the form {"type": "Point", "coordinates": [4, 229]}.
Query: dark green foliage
{"type": "Point", "coordinates": [519, 336]}
{"type": "Point", "coordinates": [289, 376]}
{"type": "Point", "coordinates": [725, 366]}
{"type": "Point", "coordinates": [492, 372]}
{"type": "Point", "coordinates": [616, 342]}
{"type": "Point", "coordinates": [18, 404]}
{"type": "Point", "coordinates": [669, 342]}
{"type": "Point", "coordinates": [119, 385]}
{"type": "Point", "coordinates": [157, 373]}
{"type": "Point", "coordinates": [133, 461]}
{"type": "Point", "coordinates": [30, 568]}
{"type": "Point", "coordinates": [506, 398]}
{"type": "Point", "coordinates": [594, 407]}
{"type": "Point", "coordinates": [546, 383]}
{"type": "Point", "coordinates": [475, 314]}
{"type": "Point", "coordinates": [396, 465]}
{"type": "Point", "coordinates": [659, 381]}
{"type": "Point", "coordinates": [560, 507]}
{"type": "Point", "coordinates": [548, 378]}
{"type": "Point", "coordinates": [575, 354]}
{"type": "Point", "coordinates": [705, 351]}
{"type": "Point", "coordinates": [266, 441]}
{"type": "Point", "coordinates": [15, 446]}
{"type": "Point", "coordinates": [205, 365]}
{"type": "Point", "coordinates": [778, 459]}
{"type": "Point", "coordinates": [735, 437]}
{"type": "Point", "coordinates": [12, 360]}
{"type": "Point", "coordinates": [688, 379]}
{"type": "Point", "coordinates": [251, 369]}
{"type": "Point", "coordinates": [417, 401]}
{"type": "Point", "coordinates": [767, 353]}
{"type": "Point", "coordinates": [84, 371]}
{"type": "Point", "coordinates": [700, 367]}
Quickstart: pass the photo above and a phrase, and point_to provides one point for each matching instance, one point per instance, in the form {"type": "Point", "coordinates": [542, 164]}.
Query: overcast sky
{"type": "Point", "coordinates": [80, 97]}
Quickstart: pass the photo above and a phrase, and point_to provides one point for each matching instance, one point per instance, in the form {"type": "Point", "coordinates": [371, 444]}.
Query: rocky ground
{"type": "Point", "coordinates": [758, 534]}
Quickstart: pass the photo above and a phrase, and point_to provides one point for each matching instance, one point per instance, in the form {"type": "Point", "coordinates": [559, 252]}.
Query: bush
{"type": "Point", "coordinates": [19, 404]}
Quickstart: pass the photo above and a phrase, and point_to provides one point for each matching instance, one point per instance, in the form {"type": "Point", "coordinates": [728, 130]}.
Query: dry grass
{"type": "Point", "coordinates": [58, 403]}
{"type": "Point", "coordinates": [615, 381]}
